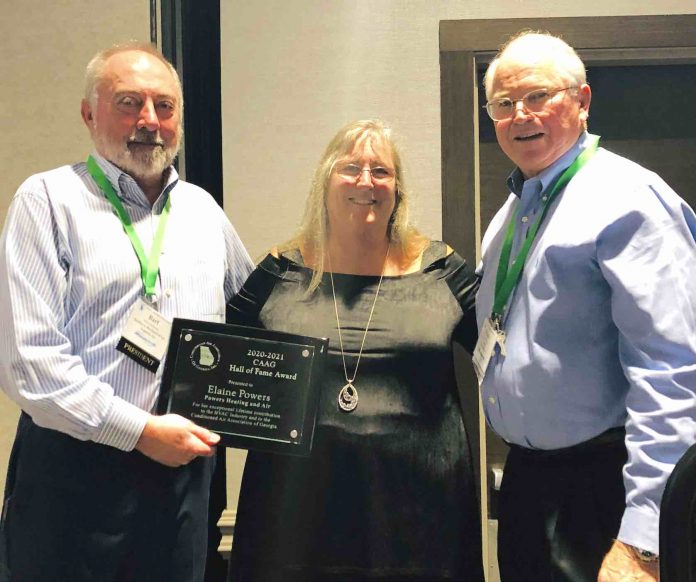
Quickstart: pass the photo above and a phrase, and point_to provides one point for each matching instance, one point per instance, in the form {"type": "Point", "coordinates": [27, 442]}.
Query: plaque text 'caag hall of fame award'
{"type": "Point", "coordinates": [256, 388]}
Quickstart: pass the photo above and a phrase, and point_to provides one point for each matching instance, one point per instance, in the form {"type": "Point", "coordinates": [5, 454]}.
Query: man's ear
{"type": "Point", "coordinates": [87, 114]}
{"type": "Point", "coordinates": [585, 96]}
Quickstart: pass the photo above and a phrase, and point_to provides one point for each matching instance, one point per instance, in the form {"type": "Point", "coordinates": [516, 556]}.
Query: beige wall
{"type": "Point", "coordinates": [294, 71]}
{"type": "Point", "coordinates": [44, 47]}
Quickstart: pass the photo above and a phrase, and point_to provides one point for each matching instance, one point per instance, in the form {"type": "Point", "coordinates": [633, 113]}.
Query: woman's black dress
{"type": "Point", "coordinates": [387, 493]}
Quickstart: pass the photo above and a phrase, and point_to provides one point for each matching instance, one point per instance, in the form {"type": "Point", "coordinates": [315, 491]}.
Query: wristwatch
{"type": "Point", "coordinates": [644, 555]}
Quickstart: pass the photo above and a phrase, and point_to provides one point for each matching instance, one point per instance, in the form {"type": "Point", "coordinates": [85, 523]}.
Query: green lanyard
{"type": "Point", "coordinates": [149, 267]}
{"type": "Point", "coordinates": [507, 278]}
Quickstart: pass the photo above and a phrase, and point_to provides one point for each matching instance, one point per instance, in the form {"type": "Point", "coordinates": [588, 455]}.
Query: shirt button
{"type": "Point", "coordinates": [491, 399]}
{"type": "Point", "coordinates": [544, 198]}
{"type": "Point", "coordinates": [168, 293]}
{"type": "Point", "coordinates": [525, 219]}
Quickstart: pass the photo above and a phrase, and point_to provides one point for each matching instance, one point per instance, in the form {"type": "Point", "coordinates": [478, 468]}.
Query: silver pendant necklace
{"type": "Point", "coordinates": [348, 395]}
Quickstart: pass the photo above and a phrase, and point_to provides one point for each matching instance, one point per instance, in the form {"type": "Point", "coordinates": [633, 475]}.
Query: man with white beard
{"type": "Point", "coordinates": [98, 487]}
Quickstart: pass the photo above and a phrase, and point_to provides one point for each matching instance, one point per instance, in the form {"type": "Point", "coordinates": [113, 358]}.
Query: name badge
{"type": "Point", "coordinates": [490, 335]}
{"type": "Point", "coordinates": [146, 336]}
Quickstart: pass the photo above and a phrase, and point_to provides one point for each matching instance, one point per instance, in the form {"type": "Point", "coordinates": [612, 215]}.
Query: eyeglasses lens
{"type": "Point", "coordinates": [353, 171]}
{"type": "Point", "coordinates": [534, 101]}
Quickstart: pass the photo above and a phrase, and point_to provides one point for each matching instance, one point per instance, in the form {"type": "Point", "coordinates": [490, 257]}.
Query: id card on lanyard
{"type": "Point", "coordinates": [508, 275]}
{"type": "Point", "coordinates": [146, 334]}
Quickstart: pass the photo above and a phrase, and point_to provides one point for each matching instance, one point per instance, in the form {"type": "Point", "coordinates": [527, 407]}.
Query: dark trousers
{"type": "Point", "coordinates": [561, 510]}
{"type": "Point", "coordinates": [81, 512]}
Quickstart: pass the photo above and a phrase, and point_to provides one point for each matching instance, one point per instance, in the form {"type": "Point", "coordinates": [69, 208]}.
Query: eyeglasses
{"type": "Point", "coordinates": [534, 102]}
{"type": "Point", "coordinates": [353, 172]}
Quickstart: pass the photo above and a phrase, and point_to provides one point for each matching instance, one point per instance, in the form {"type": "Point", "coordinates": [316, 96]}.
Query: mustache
{"type": "Point", "coordinates": [143, 136]}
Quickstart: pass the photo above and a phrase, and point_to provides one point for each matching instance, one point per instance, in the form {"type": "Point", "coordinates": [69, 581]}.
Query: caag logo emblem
{"type": "Point", "coordinates": [205, 356]}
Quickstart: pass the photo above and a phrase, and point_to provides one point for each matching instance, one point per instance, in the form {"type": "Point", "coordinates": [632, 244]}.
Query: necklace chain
{"type": "Point", "coordinates": [367, 326]}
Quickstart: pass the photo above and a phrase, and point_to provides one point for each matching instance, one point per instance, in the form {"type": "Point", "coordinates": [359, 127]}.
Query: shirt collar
{"type": "Point", "coordinates": [127, 188]}
{"type": "Point", "coordinates": [515, 181]}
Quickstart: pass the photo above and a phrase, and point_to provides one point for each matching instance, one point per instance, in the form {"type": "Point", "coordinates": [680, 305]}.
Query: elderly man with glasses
{"type": "Point", "coordinates": [586, 312]}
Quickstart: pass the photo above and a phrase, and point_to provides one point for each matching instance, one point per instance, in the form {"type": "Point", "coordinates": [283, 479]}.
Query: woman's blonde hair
{"type": "Point", "coordinates": [312, 235]}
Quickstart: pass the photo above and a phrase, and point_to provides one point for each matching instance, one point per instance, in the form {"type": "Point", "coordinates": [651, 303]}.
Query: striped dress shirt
{"type": "Point", "coordinates": [69, 278]}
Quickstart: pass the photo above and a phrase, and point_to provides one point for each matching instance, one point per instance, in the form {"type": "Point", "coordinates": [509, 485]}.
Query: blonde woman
{"type": "Point", "coordinates": [387, 493]}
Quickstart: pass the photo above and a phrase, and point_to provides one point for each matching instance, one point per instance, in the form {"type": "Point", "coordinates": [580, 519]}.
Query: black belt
{"type": "Point", "coordinates": [614, 436]}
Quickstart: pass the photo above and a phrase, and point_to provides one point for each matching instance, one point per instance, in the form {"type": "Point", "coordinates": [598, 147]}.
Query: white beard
{"type": "Point", "coordinates": [139, 161]}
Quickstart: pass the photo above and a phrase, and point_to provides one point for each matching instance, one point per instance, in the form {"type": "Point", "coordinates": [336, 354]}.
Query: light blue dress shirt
{"type": "Point", "coordinates": [601, 329]}
{"type": "Point", "coordinates": [68, 279]}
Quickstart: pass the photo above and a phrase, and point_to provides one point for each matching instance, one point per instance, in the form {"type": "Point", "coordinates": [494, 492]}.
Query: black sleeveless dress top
{"type": "Point", "coordinates": [388, 492]}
